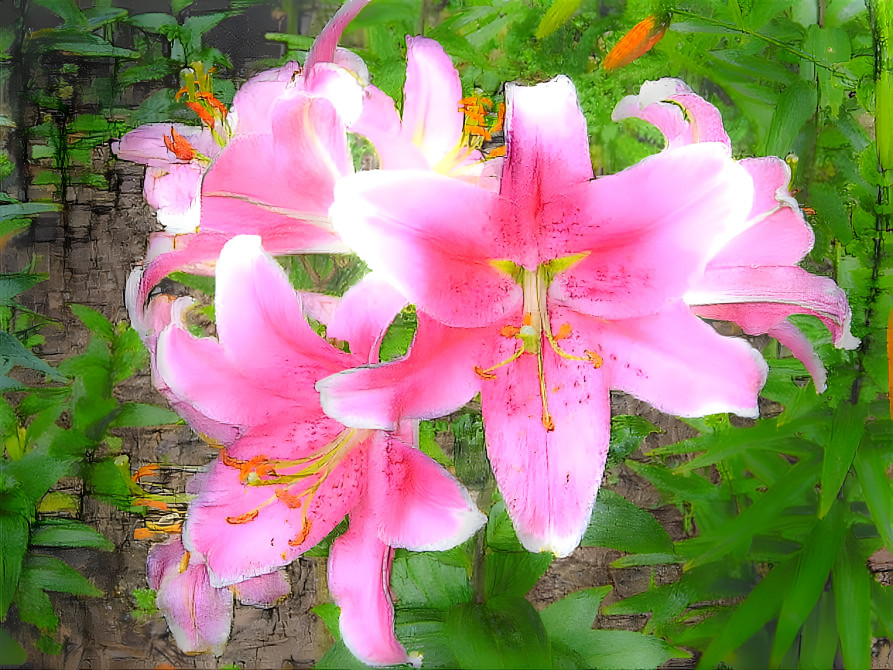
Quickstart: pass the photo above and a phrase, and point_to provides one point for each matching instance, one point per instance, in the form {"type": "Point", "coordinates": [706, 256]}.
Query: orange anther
{"type": "Point", "coordinates": [179, 146]}
{"type": "Point", "coordinates": [548, 423]}
{"type": "Point", "coordinates": [483, 374]}
{"type": "Point", "coordinates": [563, 332]}
{"type": "Point", "coordinates": [478, 130]}
{"type": "Point", "coordinates": [528, 319]}
{"type": "Point", "coordinates": [242, 518]}
{"type": "Point", "coordinates": [594, 358]}
{"type": "Point", "coordinates": [291, 501]}
{"type": "Point", "coordinates": [146, 502]}
{"type": "Point", "coordinates": [485, 102]}
{"type": "Point", "coordinates": [498, 151]}
{"type": "Point", "coordinates": [184, 563]}
{"type": "Point", "coordinates": [509, 331]}
{"type": "Point", "coordinates": [306, 525]}
{"type": "Point", "coordinates": [202, 113]}
{"type": "Point", "coordinates": [145, 471]}
{"type": "Point", "coordinates": [500, 119]}
{"type": "Point", "coordinates": [215, 103]}
{"type": "Point", "coordinates": [180, 93]}
{"type": "Point", "coordinates": [470, 100]}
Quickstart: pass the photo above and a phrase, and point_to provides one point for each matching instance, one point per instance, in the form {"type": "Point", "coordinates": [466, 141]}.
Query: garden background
{"type": "Point", "coordinates": [694, 514]}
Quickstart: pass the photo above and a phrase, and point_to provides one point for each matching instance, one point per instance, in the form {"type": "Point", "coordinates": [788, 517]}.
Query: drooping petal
{"type": "Point", "coordinates": [779, 235]}
{"type": "Point", "coordinates": [548, 479]}
{"type": "Point", "coordinates": [198, 615]}
{"type": "Point", "coordinates": [363, 316]}
{"type": "Point", "coordinates": [359, 581]}
{"type": "Point", "coordinates": [418, 505]}
{"type": "Point", "coordinates": [380, 123]}
{"type": "Point", "coordinates": [146, 145]}
{"type": "Point", "coordinates": [261, 324]}
{"type": "Point", "coordinates": [690, 200]}
{"type": "Point", "coordinates": [435, 378]}
{"type": "Point", "coordinates": [431, 116]}
{"type": "Point", "coordinates": [759, 298]}
{"type": "Point", "coordinates": [323, 49]}
{"type": "Point", "coordinates": [173, 192]}
{"type": "Point", "coordinates": [264, 590]}
{"type": "Point", "coordinates": [676, 362]}
{"type": "Point", "coordinates": [793, 338]}
{"type": "Point", "coordinates": [246, 530]}
{"type": "Point", "coordinates": [680, 114]}
{"type": "Point", "coordinates": [432, 238]}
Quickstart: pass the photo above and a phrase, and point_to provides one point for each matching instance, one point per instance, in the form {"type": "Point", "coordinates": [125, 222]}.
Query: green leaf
{"type": "Point", "coordinates": [428, 444]}
{"type": "Point", "coordinates": [59, 501]}
{"type": "Point", "coordinates": [399, 335]}
{"type": "Point", "coordinates": [141, 414]}
{"type": "Point", "coordinates": [421, 580]}
{"type": "Point", "coordinates": [155, 22]}
{"type": "Point", "coordinates": [329, 613]}
{"type": "Point", "coordinates": [505, 632]}
{"type": "Point", "coordinates": [619, 524]}
{"type": "Point", "coordinates": [574, 643]}
{"type": "Point", "coordinates": [95, 322]}
{"type": "Point", "coordinates": [65, 533]}
{"type": "Point", "coordinates": [80, 43]}
{"type": "Point", "coordinates": [500, 532]}
{"type": "Point", "coordinates": [760, 606]}
{"type": "Point", "coordinates": [556, 16]}
{"type": "Point", "coordinates": [11, 651]}
{"type": "Point", "coordinates": [871, 467]}
{"type": "Point", "coordinates": [13, 352]}
{"type": "Point", "coordinates": [795, 107]}
{"type": "Point", "coordinates": [513, 573]}
{"type": "Point", "coordinates": [813, 567]}
{"type": "Point", "coordinates": [67, 10]}
{"type": "Point", "coordinates": [627, 433]}
{"type": "Point", "coordinates": [818, 641]}
{"type": "Point", "coordinates": [14, 283]}
{"type": "Point", "coordinates": [19, 209]}
{"type": "Point", "coordinates": [423, 630]}
{"type": "Point", "coordinates": [14, 531]}
{"type": "Point", "coordinates": [34, 605]}
{"type": "Point", "coordinates": [178, 6]}
{"type": "Point", "coordinates": [846, 433]}
{"type": "Point", "coordinates": [852, 600]}
{"type": "Point", "coordinates": [338, 657]}
{"type": "Point", "coordinates": [51, 574]}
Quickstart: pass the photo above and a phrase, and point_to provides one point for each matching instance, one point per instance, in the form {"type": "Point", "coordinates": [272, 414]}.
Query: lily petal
{"type": "Point", "coordinates": [263, 591]}
{"type": "Point", "coordinates": [690, 200]}
{"type": "Point", "coordinates": [548, 479]}
{"type": "Point", "coordinates": [759, 298]}
{"type": "Point", "coordinates": [359, 579]}
{"type": "Point", "coordinates": [676, 362]}
{"type": "Point", "coordinates": [428, 235]}
{"type": "Point", "coordinates": [364, 314]}
{"type": "Point", "coordinates": [680, 114]}
{"type": "Point", "coordinates": [378, 396]}
{"type": "Point", "coordinates": [418, 504]}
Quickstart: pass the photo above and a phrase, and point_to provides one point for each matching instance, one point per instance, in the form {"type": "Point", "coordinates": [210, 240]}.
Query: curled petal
{"type": "Point", "coordinates": [359, 580]}
{"type": "Point", "coordinates": [680, 114]}
{"type": "Point", "coordinates": [264, 590]}
{"type": "Point", "coordinates": [253, 101]}
{"type": "Point", "coordinates": [364, 314]}
{"type": "Point", "coordinates": [759, 298]}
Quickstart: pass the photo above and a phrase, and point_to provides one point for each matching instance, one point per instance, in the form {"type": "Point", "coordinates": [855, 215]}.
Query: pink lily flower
{"type": "Point", "coordinates": [176, 157]}
{"type": "Point", "coordinates": [275, 176]}
{"type": "Point", "coordinates": [292, 473]}
{"type": "Point", "coordinates": [199, 615]}
{"type": "Point", "coordinates": [754, 280]}
{"type": "Point", "coordinates": [546, 296]}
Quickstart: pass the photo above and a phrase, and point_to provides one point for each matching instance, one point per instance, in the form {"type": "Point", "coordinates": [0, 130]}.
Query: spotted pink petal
{"type": "Point", "coordinates": [690, 200]}
{"type": "Point", "coordinates": [418, 504]}
{"type": "Point", "coordinates": [681, 115]}
{"type": "Point", "coordinates": [676, 362]}
{"type": "Point", "coordinates": [236, 546]}
{"type": "Point", "coordinates": [429, 236]}
{"type": "Point", "coordinates": [378, 396]}
{"type": "Point", "coordinates": [145, 144]}
{"type": "Point", "coordinates": [548, 479]}
{"type": "Point", "coordinates": [359, 579]}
